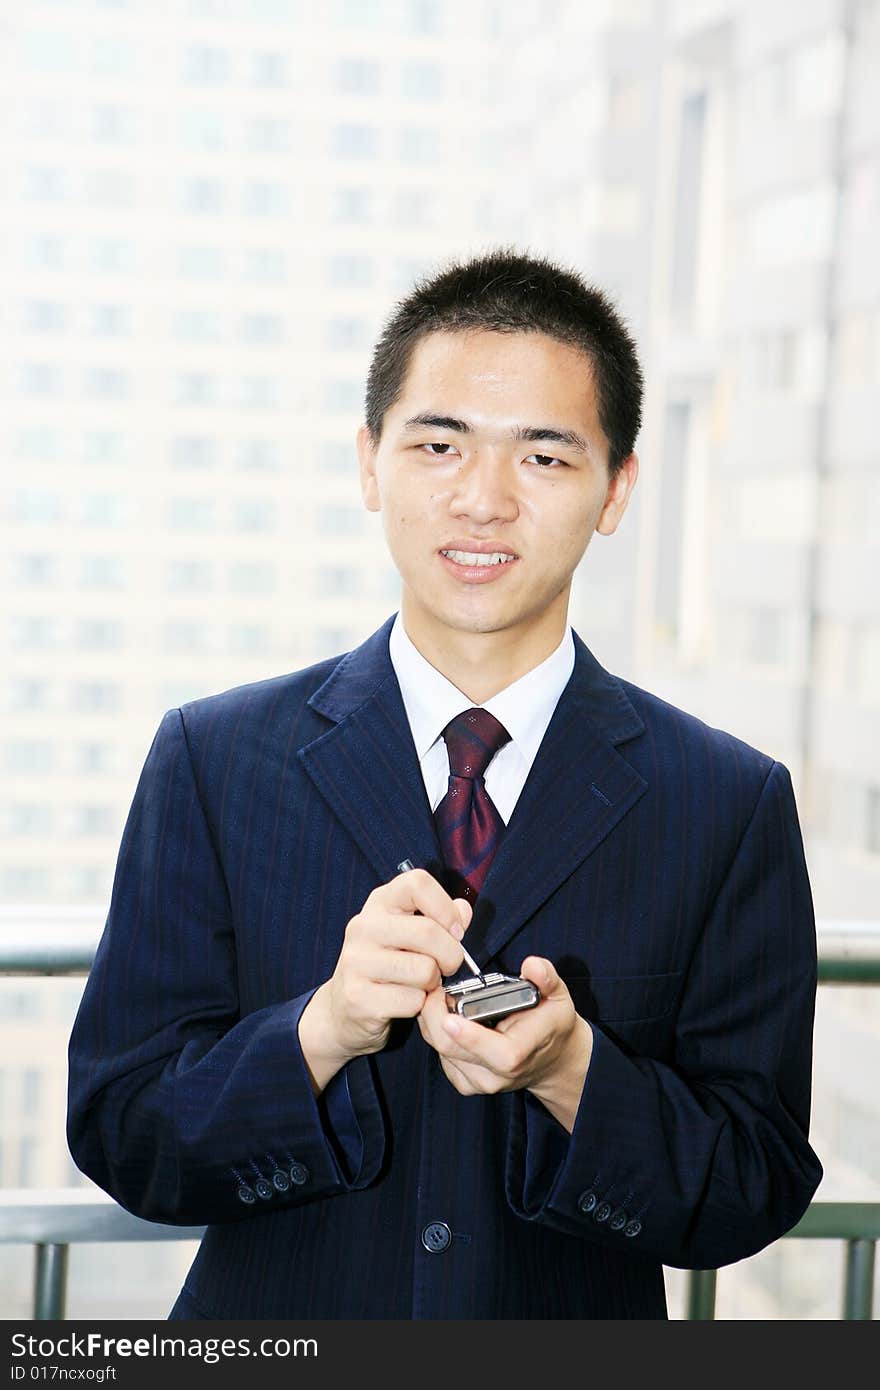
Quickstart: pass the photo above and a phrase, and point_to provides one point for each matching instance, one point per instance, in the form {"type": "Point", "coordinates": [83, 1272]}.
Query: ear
{"type": "Point", "coordinates": [367, 459]}
{"type": "Point", "coordinates": [618, 495]}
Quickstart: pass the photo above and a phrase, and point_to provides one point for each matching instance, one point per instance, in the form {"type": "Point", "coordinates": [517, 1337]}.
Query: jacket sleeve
{"type": "Point", "coordinates": [184, 1111]}
{"type": "Point", "coordinates": [704, 1160]}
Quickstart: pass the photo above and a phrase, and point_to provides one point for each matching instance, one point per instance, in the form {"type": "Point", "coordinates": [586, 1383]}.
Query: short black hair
{"type": "Point", "coordinates": [507, 291]}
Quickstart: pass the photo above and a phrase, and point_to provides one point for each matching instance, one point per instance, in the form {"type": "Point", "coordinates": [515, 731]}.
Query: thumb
{"type": "Point", "coordinates": [465, 911]}
{"type": "Point", "coordinates": [541, 972]}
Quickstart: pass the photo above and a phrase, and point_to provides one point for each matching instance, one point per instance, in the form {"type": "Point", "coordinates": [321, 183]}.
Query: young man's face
{"type": "Point", "coordinates": [465, 476]}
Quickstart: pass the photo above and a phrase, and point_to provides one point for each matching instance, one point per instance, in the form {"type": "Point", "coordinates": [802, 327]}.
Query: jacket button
{"type": "Point", "coordinates": [436, 1237]}
{"type": "Point", "coordinates": [299, 1174]}
{"type": "Point", "coordinates": [618, 1220]}
{"type": "Point", "coordinates": [280, 1180]}
{"type": "Point", "coordinates": [263, 1189]}
{"type": "Point", "coordinates": [633, 1228]}
{"type": "Point", "coordinates": [587, 1201]}
{"type": "Point", "coordinates": [602, 1212]}
{"type": "Point", "coordinates": [246, 1194]}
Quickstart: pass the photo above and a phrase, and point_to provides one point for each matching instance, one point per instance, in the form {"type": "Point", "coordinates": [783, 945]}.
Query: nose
{"type": "Point", "coordinates": [484, 488]}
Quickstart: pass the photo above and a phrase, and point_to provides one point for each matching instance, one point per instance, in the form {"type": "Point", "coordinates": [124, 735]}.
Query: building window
{"type": "Point", "coordinates": [198, 326]}
{"type": "Point", "coordinates": [191, 513]}
{"type": "Point", "coordinates": [352, 205]}
{"type": "Point", "coordinates": [344, 396]}
{"type": "Point", "coordinates": [249, 637]}
{"type": "Point", "coordinates": [250, 577]}
{"type": "Point", "coordinates": [200, 262]}
{"type": "Point", "coordinates": [351, 271]}
{"type": "Point", "coordinates": [187, 637]}
{"type": "Point", "coordinates": [354, 142]}
{"type": "Point", "coordinates": [872, 820]}
{"type": "Point", "coordinates": [346, 335]}
{"type": "Point", "coordinates": [92, 757]}
{"type": "Point", "coordinates": [419, 145]}
{"type": "Point", "coordinates": [670, 529]}
{"type": "Point", "coordinates": [192, 452]}
{"type": "Point", "coordinates": [31, 1091]}
{"type": "Point", "coordinates": [259, 456]}
{"type": "Point", "coordinates": [250, 514]}
{"type": "Point", "coordinates": [263, 264]}
{"type": "Point", "coordinates": [335, 580]}
{"type": "Point", "coordinates": [202, 196]}
{"type": "Point", "coordinates": [35, 571]}
{"type": "Point", "coordinates": [421, 82]}
{"type": "Point", "coordinates": [339, 521]}
{"type": "Point", "coordinates": [29, 756]}
{"type": "Point", "coordinates": [190, 576]}
{"type": "Point", "coordinates": [98, 634]}
{"type": "Point", "coordinates": [268, 136]}
{"type": "Point", "coordinates": [102, 571]}
{"type": "Point", "coordinates": [205, 64]}
{"type": "Point", "coordinates": [44, 316]}
{"type": "Point", "coordinates": [106, 383]}
{"type": "Point", "coordinates": [93, 697]}
{"type": "Point", "coordinates": [40, 379]}
{"type": "Point", "coordinates": [268, 70]}
{"type": "Point", "coordinates": [356, 77]}
{"type": "Point", "coordinates": [30, 818]}
{"type": "Point", "coordinates": [262, 328]}
{"type": "Point", "coordinates": [109, 321]}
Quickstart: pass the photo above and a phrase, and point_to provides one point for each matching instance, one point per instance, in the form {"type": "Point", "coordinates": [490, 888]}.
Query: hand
{"type": "Point", "coordinates": [390, 960]}
{"type": "Point", "coordinates": [545, 1050]}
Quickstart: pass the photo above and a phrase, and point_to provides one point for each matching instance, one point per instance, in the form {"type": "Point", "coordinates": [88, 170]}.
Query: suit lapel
{"type": "Point", "coordinates": [578, 788]}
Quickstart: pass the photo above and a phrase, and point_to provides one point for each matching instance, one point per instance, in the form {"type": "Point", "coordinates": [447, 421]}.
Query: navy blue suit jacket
{"type": "Point", "coordinates": [658, 862]}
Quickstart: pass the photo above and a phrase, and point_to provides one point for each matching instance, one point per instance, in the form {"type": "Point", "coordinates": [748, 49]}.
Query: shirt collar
{"type": "Point", "coordinates": [525, 708]}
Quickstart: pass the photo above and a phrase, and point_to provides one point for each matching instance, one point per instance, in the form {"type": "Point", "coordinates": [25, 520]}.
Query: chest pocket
{"type": "Point", "coordinates": [624, 998]}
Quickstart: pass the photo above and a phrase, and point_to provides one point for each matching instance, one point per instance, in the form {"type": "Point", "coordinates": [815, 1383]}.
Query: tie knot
{"type": "Point", "coordinates": [472, 740]}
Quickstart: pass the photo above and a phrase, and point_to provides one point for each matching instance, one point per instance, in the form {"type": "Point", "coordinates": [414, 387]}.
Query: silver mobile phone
{"type": "Point", "coordinates": [491, 996]}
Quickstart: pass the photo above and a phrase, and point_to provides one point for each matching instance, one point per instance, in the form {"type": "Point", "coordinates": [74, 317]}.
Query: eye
{"type": "Point", "coordinates": [544, 459]}
{"type": "Point", "coordinates": [440, 445]}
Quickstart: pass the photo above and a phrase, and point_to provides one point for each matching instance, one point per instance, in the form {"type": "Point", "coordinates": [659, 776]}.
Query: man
{"type": "Point", "coordinates": [264, 1044]}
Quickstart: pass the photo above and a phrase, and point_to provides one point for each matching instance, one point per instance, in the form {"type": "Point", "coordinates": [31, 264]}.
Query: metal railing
{"type": "Point", "coordinates": [52, 1220]}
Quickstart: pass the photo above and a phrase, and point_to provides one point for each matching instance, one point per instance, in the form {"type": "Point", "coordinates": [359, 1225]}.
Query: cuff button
{"type": "Point", "coordinates": [618, 1220]}
{"type": "Point", "coordinates": [263, 1189]}
{"type": "Point", "coordinates": [586, 1202]}
{"type": "Point", "coordinates": [280, 1180]}
{"type": "Point", "coordinates": [633, 1228]}
{"type": "Point", "coordinates": [299, 1174]}
{"type": "Point", "coordinates": [602, 1212]}
{"type": "Point", "coordinates": [246, 1194]}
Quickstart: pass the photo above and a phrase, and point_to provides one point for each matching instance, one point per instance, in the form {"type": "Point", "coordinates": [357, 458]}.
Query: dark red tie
{"type": "Point", "coordinates": [467, 821]}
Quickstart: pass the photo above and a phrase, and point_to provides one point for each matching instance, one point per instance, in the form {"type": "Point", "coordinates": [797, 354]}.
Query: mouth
{"type": "Point", "coordinates": [474, 567]}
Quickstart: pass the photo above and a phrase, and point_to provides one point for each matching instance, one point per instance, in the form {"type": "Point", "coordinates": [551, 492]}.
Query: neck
{"type": "Point", "coordinates": [480, 664]}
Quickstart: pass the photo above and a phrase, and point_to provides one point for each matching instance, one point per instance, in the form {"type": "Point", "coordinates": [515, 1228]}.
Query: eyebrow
{"type": "Point", "coordinates": [533, 434]}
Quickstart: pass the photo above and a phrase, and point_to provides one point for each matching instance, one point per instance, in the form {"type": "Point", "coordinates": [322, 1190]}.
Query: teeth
{"type": "Point", "coordinates": [466, 557]}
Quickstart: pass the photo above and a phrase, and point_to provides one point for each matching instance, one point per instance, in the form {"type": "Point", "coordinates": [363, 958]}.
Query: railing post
{"type": "Point", "coordinates": [50, 1282]}
{"type": "Point", "coordinates": [701, 1294]}
{"type": "Point", "coordinates": [858, 1296]}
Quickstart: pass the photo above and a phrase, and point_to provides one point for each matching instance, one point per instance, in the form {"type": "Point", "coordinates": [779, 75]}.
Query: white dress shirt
{"type": "Point", "coordinates": [525, 708]}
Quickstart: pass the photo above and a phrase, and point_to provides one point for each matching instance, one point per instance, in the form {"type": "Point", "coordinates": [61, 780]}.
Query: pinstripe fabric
{"type": "Point", "coordinates": [468, 824]}
{"type": "Point", "coordinates": [657, 861]}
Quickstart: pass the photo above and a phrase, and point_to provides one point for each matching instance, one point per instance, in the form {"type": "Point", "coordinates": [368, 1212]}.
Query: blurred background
{"type": "Point", "coordinates": [208, 207]}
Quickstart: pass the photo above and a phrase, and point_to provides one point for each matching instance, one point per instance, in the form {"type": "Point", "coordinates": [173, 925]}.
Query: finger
{"type": "Point", "coordinates": [543, 973]}
{"type": "Point", "coordinates": [431, 1016]}
{"type": "Point", "coordinates": [418, 891]}
{"type": "Point", "coordinates": [390, 1001]}
{"type": "Point", "coordinates": [463, 1040]}
{"type": "Point", "coordinates": [397, 967]}
{"type": "Point", "coordinates": [405, 932]}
